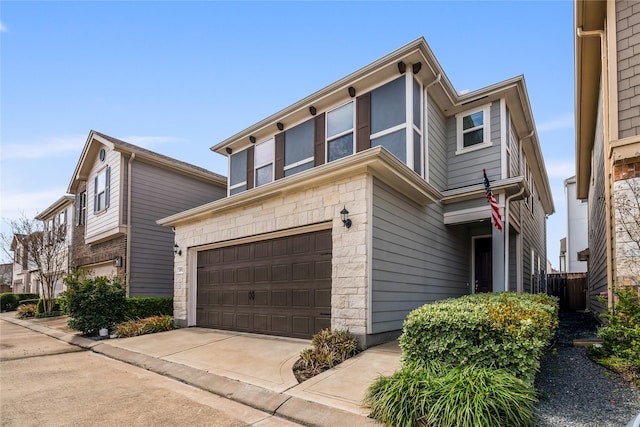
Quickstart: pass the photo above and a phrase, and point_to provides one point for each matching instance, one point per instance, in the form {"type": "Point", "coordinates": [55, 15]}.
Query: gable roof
{"type": "Point", "coordinates": [96, 139]}
{"type": "Point", "coordinates": [440, 89]}
{"type": "Point", "coordinates": [59, 204]}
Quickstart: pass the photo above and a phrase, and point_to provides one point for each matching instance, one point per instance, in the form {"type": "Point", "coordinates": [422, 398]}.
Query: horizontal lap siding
{"type": "Point", "coordinates": [437, 146]}
{"type": "Point", "coordinates": [415, 258]}
{"type": "Point", "coordinates": [107, 219]}
{"type": "Point", "coordinates": [155, 194]}
{"type": "Point", "coordinates": [466, 169]}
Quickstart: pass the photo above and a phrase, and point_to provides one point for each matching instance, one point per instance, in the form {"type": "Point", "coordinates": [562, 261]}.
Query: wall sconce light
{"type": "Point", "coordinates": [416, 67]}
{"type": "Point", "coordinates": [312, 110]}
{"type": "Point", "coordinates": [344, 214]}
{"type": "Point", "coordinates": [402, 67]}
{"type": "Point", "coordinates": [177, 250]}
{"type": "Point", "coordinates": [252, 139]}
{"type": "Point", "coordinates": [352, 91]}
{"type": "Point", "coordinates": [280, 126]}
{"type": "Point", "coordinates": [228, 150]}
{"type": "Point", "coordinates": [117, 261]}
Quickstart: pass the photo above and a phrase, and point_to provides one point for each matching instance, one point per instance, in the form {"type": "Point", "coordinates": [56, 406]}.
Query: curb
{"type": "Point", "coordinates": [279, 404]}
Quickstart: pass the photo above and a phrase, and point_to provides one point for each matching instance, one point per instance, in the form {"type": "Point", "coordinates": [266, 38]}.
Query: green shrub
{"type": "Point", "coordinates": [10, 301]}
{"type": "Point", "coordinates": [56, 306]}
{"type": "Point", "coordinates": [507, 331]}
{"type": "Point", "coordinates": [434, 394]}
{"type": "Point", "coordinates": [149, 325]}
{"type": "Point", "coordinates": [25, 311]}
{"type": "Point", "coordinates": [143, 307]}
{"type": "Point", "coordinates": [93, 303]}
{"type": "Point", "coordinates": [329, 348]}
{"type": "Point", "coordinates": [620, 348]}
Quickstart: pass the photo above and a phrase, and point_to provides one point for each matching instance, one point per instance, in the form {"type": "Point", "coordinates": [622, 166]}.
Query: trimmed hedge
{"type": "Point", "coordinates": [507, 331]}
{"type": "Point", "coordinates": [143, 307]}
{"type": "Point", "coordinates": [10, 301]}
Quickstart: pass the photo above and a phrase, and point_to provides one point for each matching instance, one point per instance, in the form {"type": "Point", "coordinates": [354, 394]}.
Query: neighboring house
{"type": "Point", "coordinates": [365, 200]}
{"type": "Point", "coordinates": [120, 191]}
{"type": "Point", "coordinates": [572, 247]}
{"type": "Point", "coordinates": [6, 278]}
{"type": "Point", "coordinates": [59, 214]}
{"type": "Point", "coordinates": [22, 266]}
{"type": "Point", "coordinates": [608, 136]}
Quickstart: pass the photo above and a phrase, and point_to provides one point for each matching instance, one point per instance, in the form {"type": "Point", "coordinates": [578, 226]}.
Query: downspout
{"type": "Point", "coordinates": [128, 254]}
{"type": "Point", "coordinates": [609, 220]}
{"type": "Point", "coordinates": [436, 81]}
{"type": "Point", "coordinates": [506, 219]}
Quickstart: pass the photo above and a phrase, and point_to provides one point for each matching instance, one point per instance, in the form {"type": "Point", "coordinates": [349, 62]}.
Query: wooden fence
{"type": "Point", "coordinates": [571, 288]}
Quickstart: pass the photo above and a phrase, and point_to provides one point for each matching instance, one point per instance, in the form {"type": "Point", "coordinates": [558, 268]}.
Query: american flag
{"type": "Point", "coordinates": [495, 209]}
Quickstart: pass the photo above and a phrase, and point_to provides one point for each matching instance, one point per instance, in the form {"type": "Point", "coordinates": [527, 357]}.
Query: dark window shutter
{"type": "Point", "coordinates": [95, 194]}
{"type": "Point", "coordinates": [107, 187]}
{"type": "Point", "coordinates": [78, 207]}
{"type": "Point", "coordinates": [319, 141]}
{"type": "Point", "coordinates": [363, 122]}
{"type": "Point", "coordinates": [279, 160]}
{"type": "Point", "coordinates": [249, 168]}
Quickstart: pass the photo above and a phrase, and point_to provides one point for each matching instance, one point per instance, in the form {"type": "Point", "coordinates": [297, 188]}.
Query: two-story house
{"type": "Point", "coordinates": [120, 191]}
{"type": "Point", "coordinates": [574, 247]}
{"type": "Point", "coordinates": [22, 266]}
{"type": "Point", "coordinates": [607, 97]}
{"type": "Point", "coordinates": [57, 220]}
{"type": "Point", "coordinates": [365, 200]}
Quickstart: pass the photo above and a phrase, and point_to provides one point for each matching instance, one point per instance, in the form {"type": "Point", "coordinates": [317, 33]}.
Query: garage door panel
{"type": "Point", "coordinates": [280, 286]}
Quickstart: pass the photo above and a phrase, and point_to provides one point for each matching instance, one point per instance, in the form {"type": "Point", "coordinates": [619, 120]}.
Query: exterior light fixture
{"type": "Point", "coordinates": [228, 150]}
{"type": "Point", "coordinates": [177, 250]}
{"type": "Point", "coordinates": [280, 126]}
{"type": "Point", "coordinates": [312, 110]}
{"type": "Point", "coordinates": [252, 139]}
{"type": "Point", "coordinates": [352, 91]}
{"type": "Point", "coordinates": [402, 67]}
{"type": "Point", "coordinates": [117, 261]}
{"type": "Point", "coordinates": [344, 214]}
{"type": "Point", "coordinates": [416, 67]}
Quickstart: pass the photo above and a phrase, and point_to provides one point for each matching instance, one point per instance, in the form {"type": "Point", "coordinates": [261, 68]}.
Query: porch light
{"type": "Point", "coordinates": [344, 214]}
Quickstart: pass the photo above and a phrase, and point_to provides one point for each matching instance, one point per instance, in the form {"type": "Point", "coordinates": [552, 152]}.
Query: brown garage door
{"type": "Point", "coordinates": [280, 286]}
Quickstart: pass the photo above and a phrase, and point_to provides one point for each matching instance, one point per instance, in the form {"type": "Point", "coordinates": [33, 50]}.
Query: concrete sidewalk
{"type": "Point", "coordinates": [255, 370]}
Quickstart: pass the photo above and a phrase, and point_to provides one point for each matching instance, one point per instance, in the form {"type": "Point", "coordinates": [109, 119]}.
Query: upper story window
{"type": "Point", "coordinates": [473, 129]}
{"type": "Point", "coordinates": [102, 187]}
{"type": "Point", "coordinates": [238, 172]}
{"type": "Point", "coordinates": [298, 148]}
{"type": "Point", "coordinates": [263, 162]}
{"type": "Point", "coordinates": [81, 208]}
{"type": "Point", "coordinates": [340, 132]}
{"type": "Point", "coordinates": [389, 116]}
{"type": "Point", "coordinates": [416, 93]}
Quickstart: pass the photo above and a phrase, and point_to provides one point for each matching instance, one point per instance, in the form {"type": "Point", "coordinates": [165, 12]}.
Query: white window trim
{"type": "Point", "coordinates": [331, 138]}
{"type": "Point", "coordinates": [240, 184]}
{"type": "Point", "coordinates": [271, 161]}
{"type": "Point", "coordinates": [486, 125]}
{"type": "Point", "coordinates": [298, 163]}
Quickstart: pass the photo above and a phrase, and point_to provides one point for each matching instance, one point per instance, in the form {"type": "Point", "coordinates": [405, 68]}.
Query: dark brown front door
{"type": "Point", "coordinates": [483, 265]}
{"type": "Point", "coordinates": [279, 286]}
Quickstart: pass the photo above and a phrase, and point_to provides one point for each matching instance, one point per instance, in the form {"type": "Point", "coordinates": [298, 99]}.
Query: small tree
{"type": "Point", "coordinates": [43, 250]}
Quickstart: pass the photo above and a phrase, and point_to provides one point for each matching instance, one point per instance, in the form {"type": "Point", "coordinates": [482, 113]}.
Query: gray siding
{"type": "Point", "coordinates": [157, 193]}
{"type": "Point", "coordinates": [466, 169]}
{"type": "Point", "coordinates": [534, 237]}
{"type": "Point", "coordinates": [597, 220]}
{"type": "Point", "coordinates": [415, 260]}
{"type": "Point", "coordinates": [628, 44]}
{"type": "Point", "coordinates": [437, 141]}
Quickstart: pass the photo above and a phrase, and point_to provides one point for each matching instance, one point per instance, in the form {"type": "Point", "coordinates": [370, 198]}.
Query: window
{"type": "Point", "coordinates": [263, 162]}
{"type": "Point", "coordinates": [473, 129]}
{"type": "Point", "coordinates": [238, 172]}
{"type": "Point", "coordinates": [389, 116]}
{"type": "Point", "coordinates": [81, 208]}
{"type": "Point", "coordinates": [298, 148]}
{"type": "Point", "coordinates": [340, 132]}
{"type": "Point", "coordinates": [102, 188]}
{"type": "Point", "coordinates": [417, 126]}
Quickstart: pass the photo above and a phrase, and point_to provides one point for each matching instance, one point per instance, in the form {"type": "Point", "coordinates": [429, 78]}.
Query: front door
{"type": "Point", "coordinates": [483, 265]}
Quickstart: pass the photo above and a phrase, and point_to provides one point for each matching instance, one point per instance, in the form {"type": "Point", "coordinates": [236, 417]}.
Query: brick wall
{"type": "Point", "coordinates": [628, 42]}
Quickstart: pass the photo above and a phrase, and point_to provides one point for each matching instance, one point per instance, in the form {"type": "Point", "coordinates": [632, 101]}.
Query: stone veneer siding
{"type": "Point", "coordinates": [318, 203]}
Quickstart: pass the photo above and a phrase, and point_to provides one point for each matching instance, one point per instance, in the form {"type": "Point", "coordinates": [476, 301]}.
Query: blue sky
{"type": "Point", "coordinates": [179, 77]}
